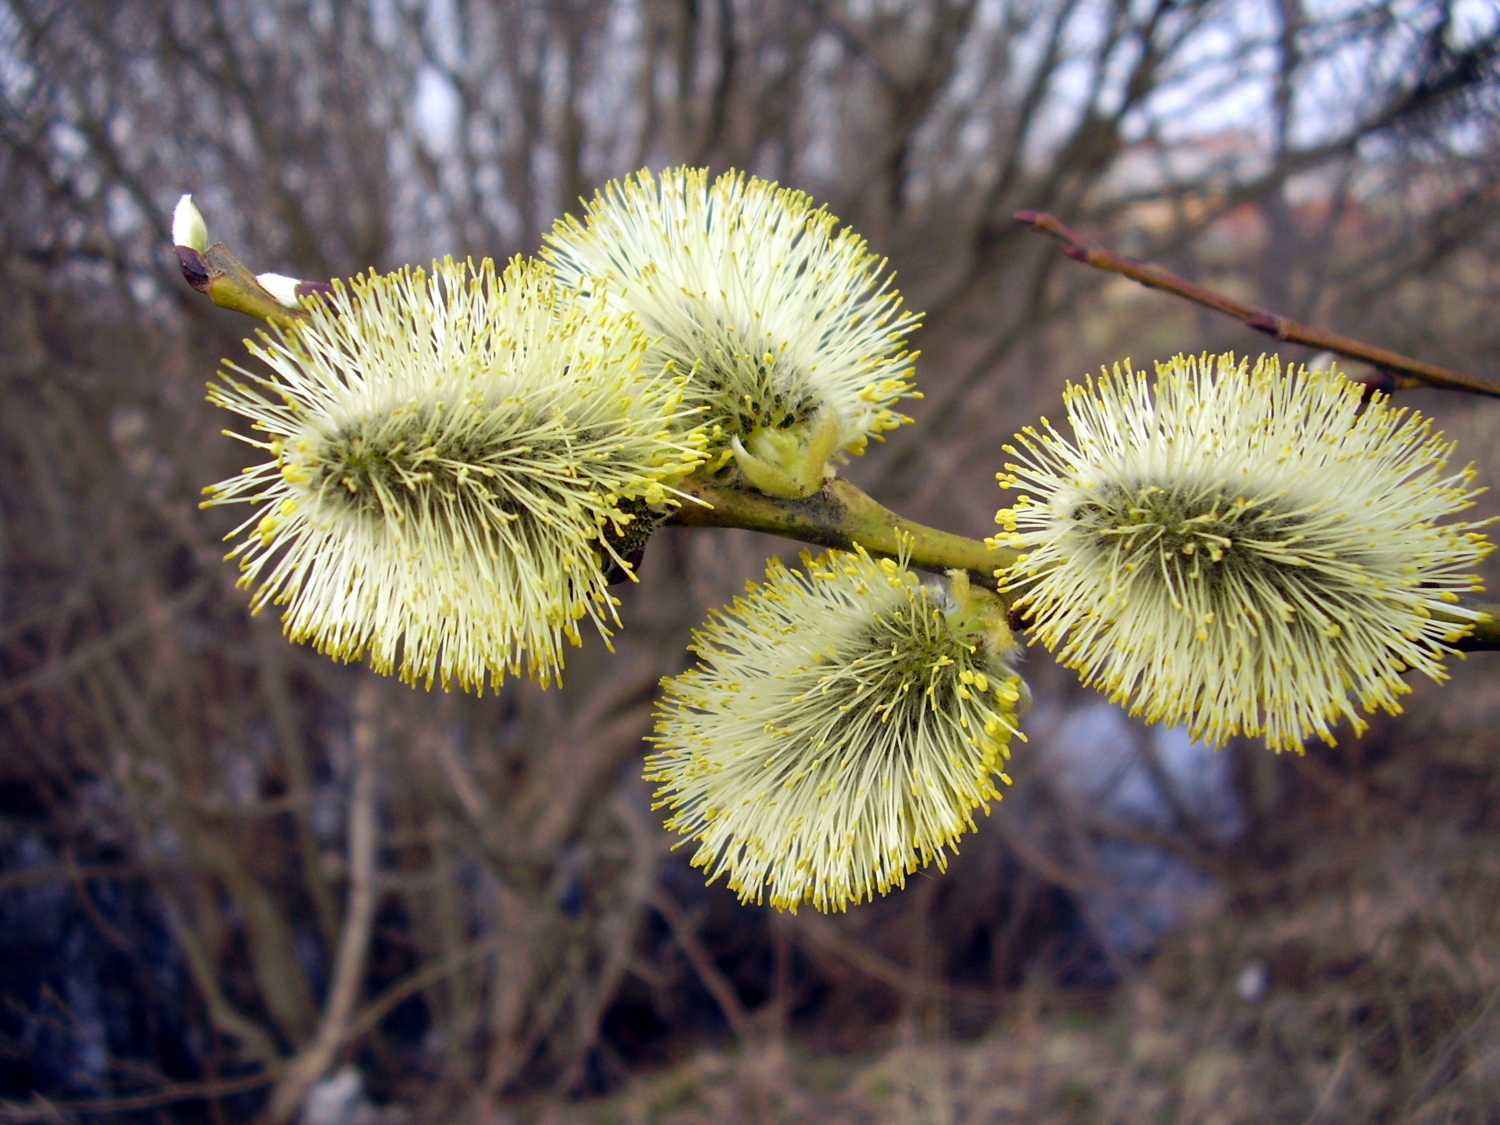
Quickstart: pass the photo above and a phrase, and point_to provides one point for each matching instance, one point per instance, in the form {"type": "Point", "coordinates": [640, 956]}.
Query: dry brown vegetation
{"type": "Point", "coordinates": [196, 817]}
{"type": "Point", "coordinates": [1348, 970]}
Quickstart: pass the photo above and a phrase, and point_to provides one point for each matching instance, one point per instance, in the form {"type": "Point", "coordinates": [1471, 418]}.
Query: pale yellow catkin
{"type": "Point", "coordinates": [777, 317]}
{"type": "Point", "coordinates": [842, 724]}
{"type": "Point", "coordinates": [1240, 550]}
{"type": "Point", "coordinates": [447, 459]}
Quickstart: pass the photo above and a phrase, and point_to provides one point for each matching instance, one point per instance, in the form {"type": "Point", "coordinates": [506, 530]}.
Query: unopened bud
{"type": "Point", "coordinates": [791, 462]}
{"type": "Point", "coordinates": [188, 227]}
{"type": "Point", "coordinates": [283, 288]}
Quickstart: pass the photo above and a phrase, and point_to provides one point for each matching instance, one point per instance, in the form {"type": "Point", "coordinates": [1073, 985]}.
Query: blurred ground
{"type": "Point", "coordinates": [1349, 972]}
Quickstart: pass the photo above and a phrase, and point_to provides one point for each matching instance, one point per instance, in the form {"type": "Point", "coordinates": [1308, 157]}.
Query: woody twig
{"type": "Point", "coordinates": [1399, 370]}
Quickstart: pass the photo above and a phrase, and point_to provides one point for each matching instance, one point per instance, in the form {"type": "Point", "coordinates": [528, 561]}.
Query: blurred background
{"type": "Point", "coordinates": [196, 816]}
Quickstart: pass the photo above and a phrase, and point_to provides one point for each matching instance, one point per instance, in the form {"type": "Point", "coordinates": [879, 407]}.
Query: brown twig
{"type": "Point", "coordinates": [369, 1017]}
{"type": "Point", "coordinates": [1483, 636]}
{"type": "Point", "coordinates": [65, 667]}
{"type": "Point", "coordinates": [1404, 372]}
{"type": "Point", "coordinates": [820, 931]}
{"type": "Point", "coordinates": [313, 1060]}
{"type": "Point", "coordinates": [719, 986]}
{"type": "Point", "coordinates": [44, 1109]}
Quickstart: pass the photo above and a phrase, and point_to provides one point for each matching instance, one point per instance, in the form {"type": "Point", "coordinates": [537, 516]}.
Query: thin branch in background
{"type": "Point", "coordinates": [63, 667]}
{"type": "Point", "coordinates": [359, 917]}
{"type": "Point", "coordinates": [720, 987]}
{"type": "Point", "coordinates": [368, 1018]}
{"type": "Point", "coordinates": [819, 931]}
{"type": "Point", "coordinates": [1405, 372]}
{"type": "Point", "coordinates": [45, 1109]}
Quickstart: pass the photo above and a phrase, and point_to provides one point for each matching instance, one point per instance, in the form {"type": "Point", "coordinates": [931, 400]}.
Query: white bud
{"type": "Point", "coordinates": [188, 227]}
{"type": "Point", "coordinates": [283, 288]}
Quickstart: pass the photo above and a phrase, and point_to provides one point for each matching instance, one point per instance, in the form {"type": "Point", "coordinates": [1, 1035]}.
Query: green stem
{"type": "Point", "coordinates": [229, 283]}
{"type": "Point", "coordinates": [841, 516]}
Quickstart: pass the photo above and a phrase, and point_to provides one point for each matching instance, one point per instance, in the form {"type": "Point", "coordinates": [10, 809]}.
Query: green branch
{"type": "Point", "coordinates": [228, 282]}
{"type": "Point", "coordinates": [841, 516]}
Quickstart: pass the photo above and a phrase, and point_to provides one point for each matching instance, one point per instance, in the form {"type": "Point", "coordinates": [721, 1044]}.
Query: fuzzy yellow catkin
{"type": "Point", "coordinates": [780, 320]}
{"type": "Point", "coordinates": [1240, 550]}
{"type": "Point", "coordinates": [448, 457]}
{"type": "Point", "coordinates": [842, 724]}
